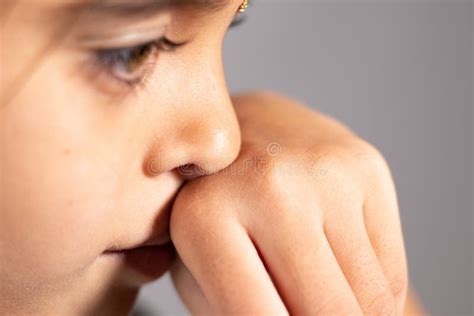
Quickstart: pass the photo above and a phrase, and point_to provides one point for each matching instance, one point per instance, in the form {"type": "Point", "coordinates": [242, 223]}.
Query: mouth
{"type": "Point", "coordinates": [150, 261]}
{"type": "Point", "coordinates": [147, 259]}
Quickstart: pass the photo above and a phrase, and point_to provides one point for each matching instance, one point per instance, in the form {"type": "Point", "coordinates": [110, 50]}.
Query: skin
{"type": "Point", "coordinates": [279, 209]}
{"type": "Point", "coordinates": [92, 166]}
{"type": "Point", "coordinates": [317, 206]}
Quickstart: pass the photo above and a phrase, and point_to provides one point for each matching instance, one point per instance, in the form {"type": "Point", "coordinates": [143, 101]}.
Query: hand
{"type": "Point", "coordinates": [305, 221]}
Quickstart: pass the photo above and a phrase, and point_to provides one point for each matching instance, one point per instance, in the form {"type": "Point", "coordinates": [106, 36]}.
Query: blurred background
{"type": "Point", "coordinates": [399, 73]}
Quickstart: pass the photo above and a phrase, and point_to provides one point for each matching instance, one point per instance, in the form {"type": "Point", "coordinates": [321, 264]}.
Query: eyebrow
{"type": "Point", "coordinates": [133, 7]}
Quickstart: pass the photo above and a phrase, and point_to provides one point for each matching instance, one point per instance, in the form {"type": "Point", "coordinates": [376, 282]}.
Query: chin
{"type": "Point", "coordinates": [117, 301]}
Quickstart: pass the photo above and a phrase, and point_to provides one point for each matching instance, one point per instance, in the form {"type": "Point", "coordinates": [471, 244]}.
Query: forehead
{"type": "Point", "coordinates": [204, 4]}
{"type": "Point", "coordinates": [70, 9]}
{"type": "Point", "coordinates": [126, 6]}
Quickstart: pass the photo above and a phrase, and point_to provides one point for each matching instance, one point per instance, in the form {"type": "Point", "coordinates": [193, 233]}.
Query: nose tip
{"type": "Point", "coordinates": [205, 140]}
{"type": "Point", "coordinates": [208, 151]}
{"type": "Point", "coordinates": [222, 149]}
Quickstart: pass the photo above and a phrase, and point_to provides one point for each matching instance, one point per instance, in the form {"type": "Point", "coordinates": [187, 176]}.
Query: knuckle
{"type": "Point", "coordinates": [399, 285]}
{"type": "Point", "coordinates": [381, 304]}
{"type": "Point", "coordinates": [273, 175]}
{"type": "Point", "coordinates": [334, 174]}
{"type": "Point", "coordinates": [337, 157]}
{"type": "Point", "coordinates": [261, 169]}
{"type": "Point", "coordinates": [327, 162]}
{"type": "Point", "coordinates": [269, 183]}
{"type": "Point", "coordinates": [371, 160]}
{"type": "Point", "coordinates": [279, 178]}
{"type": "Point", "coordinates": [337, 305]}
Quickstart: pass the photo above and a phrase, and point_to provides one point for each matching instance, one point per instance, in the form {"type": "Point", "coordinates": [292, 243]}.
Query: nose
{"type": "Point", "coordinates": [210, 146]}
{"type": "Point", "coordinates": [203, 137]}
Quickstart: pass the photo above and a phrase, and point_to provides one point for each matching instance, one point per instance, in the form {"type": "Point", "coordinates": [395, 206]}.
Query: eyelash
{"type": "Point", "coordinates": [113, 60]}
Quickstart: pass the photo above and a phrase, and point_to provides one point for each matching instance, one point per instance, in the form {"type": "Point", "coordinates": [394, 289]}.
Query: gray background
{"type": "Point", "coordinates": [400, 74]}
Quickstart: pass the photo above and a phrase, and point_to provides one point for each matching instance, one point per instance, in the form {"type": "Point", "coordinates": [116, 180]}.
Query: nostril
{"type": "Point", "coordinates": [191, 171]}
{"type": "Point", "coordinates": [153, 167]}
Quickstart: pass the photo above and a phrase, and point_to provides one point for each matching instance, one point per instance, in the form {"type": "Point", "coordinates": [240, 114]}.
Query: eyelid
{"type": "Point", "coordinates": [126, 39]}
{"type": "Point", "coordinates": [100, 70]}
{"type": "Point", "coordinates": [104, 61]}
{"type": "Point", "coordinates": [166, 44]}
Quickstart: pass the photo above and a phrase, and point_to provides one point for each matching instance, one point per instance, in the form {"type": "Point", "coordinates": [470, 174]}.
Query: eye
{"type": "Point", "coordinates": [131, 64]}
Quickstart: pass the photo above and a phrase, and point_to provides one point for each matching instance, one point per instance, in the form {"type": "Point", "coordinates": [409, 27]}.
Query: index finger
{"type": "Point", "coordinates": [225, 263]}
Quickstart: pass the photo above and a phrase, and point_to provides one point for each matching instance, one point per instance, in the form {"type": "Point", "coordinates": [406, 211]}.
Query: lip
{"type": "Point", "coordinates": [150, 261]}
{"type": "Point", "coordinates": [161, 239]}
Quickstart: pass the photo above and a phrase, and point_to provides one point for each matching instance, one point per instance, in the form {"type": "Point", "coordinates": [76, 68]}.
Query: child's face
{"type": "Point", "coordinates": [94, 124]}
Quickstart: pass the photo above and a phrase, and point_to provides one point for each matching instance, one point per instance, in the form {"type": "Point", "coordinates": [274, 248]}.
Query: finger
{"type": "Point", "coordinates": [189, 290]}
{"type": "Point", "coordinates": [223, 260]}
{"type": "Point", "coordinates": [383, 227]}
{"type": "Point", "coordinates": [302, 265]}
{"type": "Point", "coordinates": [349, 241]}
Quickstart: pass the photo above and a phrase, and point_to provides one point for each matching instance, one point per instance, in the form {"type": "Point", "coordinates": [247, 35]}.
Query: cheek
{"type": "Point", "coordinates": [55, 217]}
{"type": "Point", "coordinates": [58, 191]}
